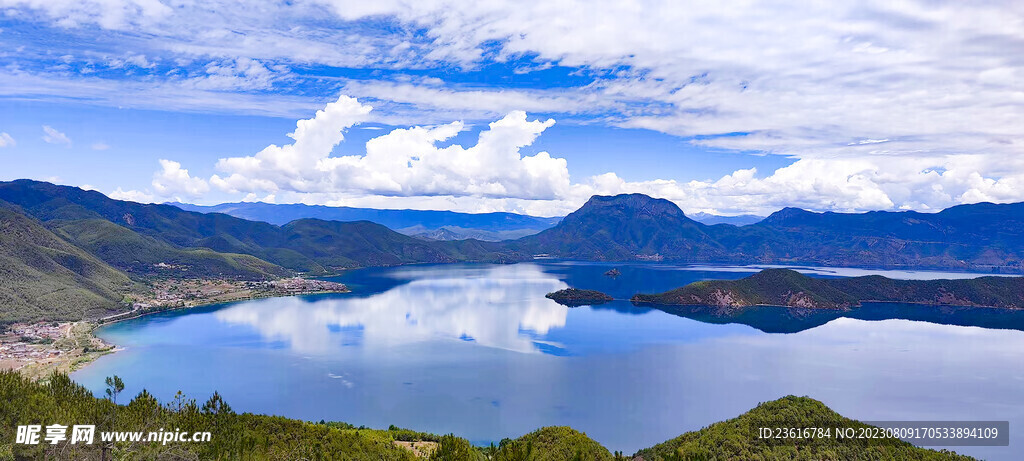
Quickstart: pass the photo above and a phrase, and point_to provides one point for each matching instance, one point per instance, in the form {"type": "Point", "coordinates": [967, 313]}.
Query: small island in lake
{"type": "Point", "coordinates": [613, 273]}
{"type": "Point", "coordinates": [573, 297]}
{"type": "Point", "coordinates": [785, 287]}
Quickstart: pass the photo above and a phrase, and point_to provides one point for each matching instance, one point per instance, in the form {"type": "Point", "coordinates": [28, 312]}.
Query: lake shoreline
{"type": "Point", "coordinates": [75, 358]}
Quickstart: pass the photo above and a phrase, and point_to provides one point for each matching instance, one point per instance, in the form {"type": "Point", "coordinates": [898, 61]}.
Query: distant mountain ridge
{"type": "Point", "coordinates": [983, 236]}
{"type": "Point", "coordinates": [738, 220]}
{"type": "Point", "coordinates": [494, 226]}
{"type": "Point", "coordinates": [482, 226]}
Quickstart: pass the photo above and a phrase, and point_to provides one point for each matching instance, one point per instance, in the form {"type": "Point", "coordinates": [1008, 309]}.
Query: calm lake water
{"type": "Point", "coordinates": [476, 349]}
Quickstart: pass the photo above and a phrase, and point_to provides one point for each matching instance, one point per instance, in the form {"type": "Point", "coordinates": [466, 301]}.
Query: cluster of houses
{"type": "Point", "coordinates": [24, 342]}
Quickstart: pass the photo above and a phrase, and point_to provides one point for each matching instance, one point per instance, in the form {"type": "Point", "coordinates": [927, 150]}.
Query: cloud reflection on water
{"type": "Point", "coordinates": [495, 306]}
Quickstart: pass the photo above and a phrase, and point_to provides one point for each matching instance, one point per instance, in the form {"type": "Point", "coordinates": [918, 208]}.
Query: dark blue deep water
{"type": "Point", "coordinates": [477, 350]}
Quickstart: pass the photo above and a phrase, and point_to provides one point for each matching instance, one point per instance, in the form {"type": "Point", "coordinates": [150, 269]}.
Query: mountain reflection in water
{"type": "Point", "coordinates": [503, 306]}
{"type": "Point", "coordinates": [495, 306]}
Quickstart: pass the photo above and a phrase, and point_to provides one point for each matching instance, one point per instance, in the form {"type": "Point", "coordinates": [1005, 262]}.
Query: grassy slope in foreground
{"type": "Point", "coordinates": [785, 287]}
{"type": "Point", "coordinates": [45, 277]}
{"type": "Point", "coordinates": [249, 436]}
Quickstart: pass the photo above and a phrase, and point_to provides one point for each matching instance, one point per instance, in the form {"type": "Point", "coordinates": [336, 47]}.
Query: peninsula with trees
{"type": "Point", "coordinates": [789, 288]}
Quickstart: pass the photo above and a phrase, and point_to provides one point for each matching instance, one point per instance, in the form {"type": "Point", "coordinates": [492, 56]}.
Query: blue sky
{"type": "Point", "coordinates": [729, 108]}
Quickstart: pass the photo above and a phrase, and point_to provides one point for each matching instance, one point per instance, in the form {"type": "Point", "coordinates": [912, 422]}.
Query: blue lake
{"type": "Point", "coordinates": [476, 349]}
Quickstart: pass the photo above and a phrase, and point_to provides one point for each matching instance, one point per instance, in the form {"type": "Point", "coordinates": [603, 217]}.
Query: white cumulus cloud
{"type": "Point", "coordinates": [172, 180]}
{"type": "Point", "coordinates": [403, 162]}
{"type": "Point", "coordinates": [132, 196]}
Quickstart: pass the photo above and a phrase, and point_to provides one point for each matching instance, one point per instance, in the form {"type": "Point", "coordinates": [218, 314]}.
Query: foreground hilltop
{"type": "Point", "coordinates": [737, 438]}
{"type": "Point", "coordinates": [785, 287]}
{"type": "Point", "coordinates": [250, 436]}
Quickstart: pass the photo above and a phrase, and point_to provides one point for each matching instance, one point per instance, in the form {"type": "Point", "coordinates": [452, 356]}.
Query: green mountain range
{"type": "Point", "coordinates": [131, 236]}
{"type": "Point", "coordinates": [147, 240]}
{"type": "Point", "coordinates": [785, 287]}
{"type": "Point", "coordinates": [983, 236]}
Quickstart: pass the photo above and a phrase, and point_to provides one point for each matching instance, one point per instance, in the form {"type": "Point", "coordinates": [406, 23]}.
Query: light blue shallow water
{"type": "Point", "coordinates": [477, 350]}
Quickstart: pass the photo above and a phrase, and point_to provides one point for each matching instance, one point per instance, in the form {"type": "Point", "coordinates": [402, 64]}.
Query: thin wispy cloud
{"type": "Point", "coordinates": [52, 136]}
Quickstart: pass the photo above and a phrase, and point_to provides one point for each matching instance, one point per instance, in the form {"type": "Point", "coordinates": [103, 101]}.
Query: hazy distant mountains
{"type": "Point", "coordinates": [712, 219]}
{"type": "Point", "coordinates": [433, 225]}
{"type": "Point", "coordinates": [421, 223]}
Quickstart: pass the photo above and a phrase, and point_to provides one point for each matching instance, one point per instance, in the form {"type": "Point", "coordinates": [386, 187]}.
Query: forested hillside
{"type": "Point", "coordinates": [45, 277]}
{"type": "Point", "coordinates": [133, 237]}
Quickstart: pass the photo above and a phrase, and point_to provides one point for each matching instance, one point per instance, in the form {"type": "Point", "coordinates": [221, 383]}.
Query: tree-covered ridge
{"type": "Point", "coordinates": [69, 253]}
{"type": "Point", "coordinates": [133, 234]}
{"type": "Point", "coordinates": [141, 255]}
{"type": "Point", "coordinates": [738, 439]}
{"type": "Point", "coordinates": [59, 400]}
{"type": "Point", "coordinates": [553, 443]}
{"type": "Point", "coordinates": [44, 277]}
{"type": "Point", "coordinates": [785, 287]}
